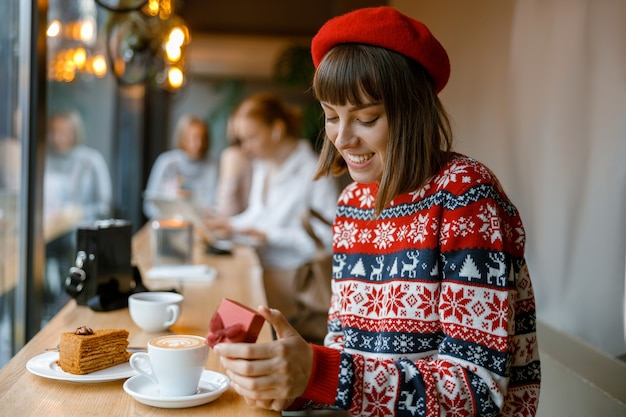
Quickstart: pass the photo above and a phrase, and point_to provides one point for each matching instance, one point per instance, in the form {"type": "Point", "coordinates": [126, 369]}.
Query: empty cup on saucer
{"type": "Point", "coordinates": [155, 311]}
{"type": "Point", "coordinates": [174, 363]}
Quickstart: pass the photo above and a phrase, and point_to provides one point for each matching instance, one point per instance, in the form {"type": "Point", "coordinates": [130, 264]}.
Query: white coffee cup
{"type": "Point", "coordinates": [174, 362]}
{"type": "Point", "coordinates": [155, 311]}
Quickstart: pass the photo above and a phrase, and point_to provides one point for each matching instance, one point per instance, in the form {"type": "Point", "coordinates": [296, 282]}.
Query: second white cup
{"type": "Point", "coordinates": [174, 362]}
{"type": "Point", "coordinates": [155, 311]}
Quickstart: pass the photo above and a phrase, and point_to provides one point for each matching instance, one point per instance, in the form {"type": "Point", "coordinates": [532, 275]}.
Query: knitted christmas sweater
{"type": "Point", "coordinates": [433, 311]}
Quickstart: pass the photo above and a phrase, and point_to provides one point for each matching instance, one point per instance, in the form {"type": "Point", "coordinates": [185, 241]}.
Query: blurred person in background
{"type": "Point", "coordinates": [10, 152]}
{"type": "Point", "coordinates": [187, 172]}
{"type": "Point", "coordinates": [282, 189]}
{"type": "Point", "coordinates": [235, 178]}
{"type": "Point", "coordinates": [77, 189]}
{"type": "Point", "coordinates": [10, 156]}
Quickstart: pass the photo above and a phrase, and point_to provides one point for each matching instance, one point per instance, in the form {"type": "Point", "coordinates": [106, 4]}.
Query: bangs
{"type": "Point", "coordinates": [348, 74]}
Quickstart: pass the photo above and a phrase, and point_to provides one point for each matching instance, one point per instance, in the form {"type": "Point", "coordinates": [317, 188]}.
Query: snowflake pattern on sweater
{"type": "Point", "coordinates": [433, 311]}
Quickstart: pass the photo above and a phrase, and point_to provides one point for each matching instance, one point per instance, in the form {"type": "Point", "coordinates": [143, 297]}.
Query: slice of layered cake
{"type": "Point", "coordinates": [86, 350]}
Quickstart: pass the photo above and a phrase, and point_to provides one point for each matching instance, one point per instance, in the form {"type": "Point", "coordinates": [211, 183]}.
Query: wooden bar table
{"type": "Point", "coordinates": [238, 277]}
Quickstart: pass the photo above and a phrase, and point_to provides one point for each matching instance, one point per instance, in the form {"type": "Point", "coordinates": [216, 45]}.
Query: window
{"type": "Point", "coordinates": [10, 179]}
{"type": "Point", "coordinates": [77, 178]}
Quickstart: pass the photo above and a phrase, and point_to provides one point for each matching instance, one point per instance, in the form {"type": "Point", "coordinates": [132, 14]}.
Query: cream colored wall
{"type": "Point", "coordinates": [538, 93]}
{"type": "Point", "coordinates": [476, 36]}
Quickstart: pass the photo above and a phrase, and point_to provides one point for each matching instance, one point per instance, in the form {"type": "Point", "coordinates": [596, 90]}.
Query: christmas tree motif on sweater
{"type": "Point", "coordinates": [469, 269]}
{"type": "Point", "coordinates": [393, 270]}
{"type": "Point", "coordinates": [358, 270]}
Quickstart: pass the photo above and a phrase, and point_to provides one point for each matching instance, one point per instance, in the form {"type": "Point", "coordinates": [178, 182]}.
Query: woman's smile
{"type": "Point", "coordinates": [360, 133]}
{"type": "Point", "coordinates": [354, 159]}
{"type": "Point", "coordinates": [358, 159]}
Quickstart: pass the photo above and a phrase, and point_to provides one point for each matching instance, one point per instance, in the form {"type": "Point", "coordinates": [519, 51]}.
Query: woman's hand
{"type": "Point", "coordinates": [269, 375]}
{"type": "Point", "coordinates": [220, 225]}
{"type": "Point", "coordinates": [259, 237]}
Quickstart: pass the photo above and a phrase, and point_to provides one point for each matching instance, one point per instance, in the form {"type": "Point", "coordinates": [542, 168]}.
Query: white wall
{"type": "Point", "coordinates": [538, 92]}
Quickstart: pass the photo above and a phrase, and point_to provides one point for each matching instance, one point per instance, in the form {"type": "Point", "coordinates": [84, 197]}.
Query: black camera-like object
{"type": "Point", "coordinates": [103, 277]}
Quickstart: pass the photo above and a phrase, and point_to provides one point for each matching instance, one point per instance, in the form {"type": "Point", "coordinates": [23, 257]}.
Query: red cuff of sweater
{"type": "Point", "coordinates": [322, 387]}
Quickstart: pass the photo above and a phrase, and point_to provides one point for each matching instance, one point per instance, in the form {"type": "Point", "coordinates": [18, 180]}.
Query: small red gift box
{"type": "Point", "coordinates": [233, 322]}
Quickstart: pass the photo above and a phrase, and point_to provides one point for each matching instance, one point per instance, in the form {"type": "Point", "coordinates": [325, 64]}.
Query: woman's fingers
{"type": "Point", "coordinates": [249, 368]}
{"type": "Point", "coordinates": [278, 321]}
{"type": "Point", "coordinates": [263, 387]}
{"type": "Point", "coordinates": [248, 351]}
{"type": "Point", "coordinates": [269, 373]}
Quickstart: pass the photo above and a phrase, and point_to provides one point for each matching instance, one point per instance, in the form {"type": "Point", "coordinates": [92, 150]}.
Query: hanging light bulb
{"type": "Point", "coordinates": [161, 8]}
{"type": "Point", "coordinates": [99, 66]}
{"type": "Point", "coordinates": [148, 44]}
{"type": "Point", "coordinates": [152, 8]}
{"type": "Point", "coordinates": [54, 29]}
{"type": "Point", "coordinates": [175, 78]}
{"type": "Point", "coordinates": [79, 57]}
{"type": "Point", "coordinates": [87, 31]}
{"type": "Point", "coordinates": [129, 48]}
{"type": "Point", "coordinates": [173, 47]}
{"type": "Point", "coordinates": [175, 40]}
{"type": "Point", "coordinates": [72, 40]}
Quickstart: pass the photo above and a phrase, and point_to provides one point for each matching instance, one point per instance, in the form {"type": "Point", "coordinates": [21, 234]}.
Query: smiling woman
{"type": "Point", "coordinates": [432, 307]}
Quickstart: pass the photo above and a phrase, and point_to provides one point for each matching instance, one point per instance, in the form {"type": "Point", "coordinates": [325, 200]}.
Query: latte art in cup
{"type": "Point", "coordinates": [173, 362]}
{"type": "Point", "coordinates": [177, 342]}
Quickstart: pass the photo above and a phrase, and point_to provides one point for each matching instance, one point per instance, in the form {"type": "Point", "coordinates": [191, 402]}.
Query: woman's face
{"type": "Point", "coordinates": [360, 133]}
{"type": "Point", "coordinates": [193, 141]}
{"type": "Point", "coordinates": [255, 137]}
{"type": "Point", "coordinates": [61, 135]}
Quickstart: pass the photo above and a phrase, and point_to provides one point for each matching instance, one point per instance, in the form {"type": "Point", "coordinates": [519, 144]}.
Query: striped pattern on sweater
{"type": "Point", "coordinates": [433, 309]}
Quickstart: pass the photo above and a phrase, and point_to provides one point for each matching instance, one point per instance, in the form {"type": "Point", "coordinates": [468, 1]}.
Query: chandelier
{"type": "Point", "coordinates": [141, 41]}
{"type": "Point", "coordinates": [72, 41]}
{"type": "Point", "coordinates": [146, 42]}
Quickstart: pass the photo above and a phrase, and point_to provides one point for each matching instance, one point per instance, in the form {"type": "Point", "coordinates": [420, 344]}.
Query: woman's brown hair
{"type": "Point", "coordinates": [268, 108]}
{"type": "Point", "coordinates": [420, 136]}
{"type": "Point", "coordinates": [183, 124]}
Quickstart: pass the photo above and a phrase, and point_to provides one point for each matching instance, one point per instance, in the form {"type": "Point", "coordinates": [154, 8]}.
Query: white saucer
{"type": "Point", "coordinates": [212, 385]}
{"type": "Point", "coordinates": [45, 365]}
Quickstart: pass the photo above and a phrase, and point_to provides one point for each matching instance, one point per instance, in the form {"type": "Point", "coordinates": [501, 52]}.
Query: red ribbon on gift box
{"type": "Point", "coordinates": [218, 333]}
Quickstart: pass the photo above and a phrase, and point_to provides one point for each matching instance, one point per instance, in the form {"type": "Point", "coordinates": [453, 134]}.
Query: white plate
{"type": "Point", "coordinates": [212, 385]}
{"type": "Point", "coordinates": [45, 365]}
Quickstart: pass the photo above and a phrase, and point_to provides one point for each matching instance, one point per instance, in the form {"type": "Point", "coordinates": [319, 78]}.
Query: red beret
{"type": "Point", "coordinates": [385, 27]}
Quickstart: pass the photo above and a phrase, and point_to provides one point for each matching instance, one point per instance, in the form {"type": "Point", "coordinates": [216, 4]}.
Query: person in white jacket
{"type": "Point", "coordinates": [282, 189]}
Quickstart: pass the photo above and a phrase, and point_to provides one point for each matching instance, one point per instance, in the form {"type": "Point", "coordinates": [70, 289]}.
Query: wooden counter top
{"type": "Point", "coordinates": [239, 277]}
